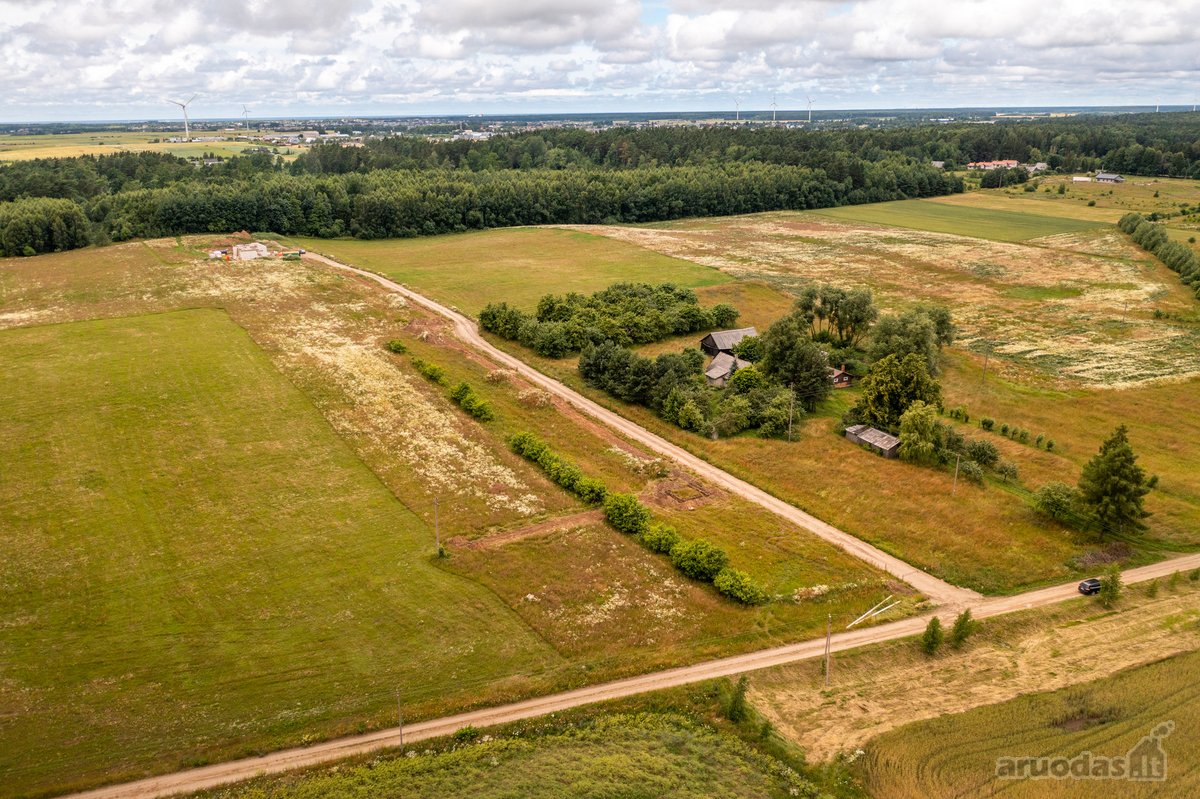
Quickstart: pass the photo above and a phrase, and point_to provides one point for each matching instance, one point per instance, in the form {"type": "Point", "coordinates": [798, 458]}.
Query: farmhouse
{"type": "Point", "coordinates": [248, 252]}
{"type": "Point", "coordinates": [883, 443]}
{"type": "Point", "coordinates": [1108, 177]}
{"type": "Point", "coordinates": [722, 368]}
{"type": "Point", "coordinates": [840, 377]}
{"type": "Point", "coordinates": [725, 340]}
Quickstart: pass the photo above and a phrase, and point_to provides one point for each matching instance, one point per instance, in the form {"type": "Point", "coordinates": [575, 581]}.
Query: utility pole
{"type": "Point", "coordinates": [400, 717]}
{"type": "Point", "coordinates": [828, 637]}
{"type": "Point", "coordinates": [791, 409]}
{"type": "Point", "coordinates": [986, 355]}
{"type": "Point", "coordinates": [957, 461]}
{"type": "Point", "coordinates": [437, 532]}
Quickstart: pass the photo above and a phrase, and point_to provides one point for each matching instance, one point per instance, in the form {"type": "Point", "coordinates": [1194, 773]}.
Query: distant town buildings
{"type": "Point", "coordinates": [987, 166]}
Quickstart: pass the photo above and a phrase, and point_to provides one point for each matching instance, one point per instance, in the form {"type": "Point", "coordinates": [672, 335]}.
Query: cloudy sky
{"type": "Point", "coordinates": [115, 59]}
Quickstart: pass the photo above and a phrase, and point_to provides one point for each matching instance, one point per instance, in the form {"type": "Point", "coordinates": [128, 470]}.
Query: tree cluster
{"type": "Point", "coordinates": [673, 386]}
{"type": "Point", "coordinates": [626, 313]}
{"type": "Point", "coordinates": [40, 225]}
{"type": "Point", "coordinates": [1110, 496]}
{"type": "Point", "coordinates": [1178, 257]}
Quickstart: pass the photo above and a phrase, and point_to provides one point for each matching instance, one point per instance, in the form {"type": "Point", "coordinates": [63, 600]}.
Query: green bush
{"type": "Point", "coordinates": [1050, 445]}
{"type": "Point", "coordinates": [964, 625]}
{"type": "Point", "coordinates": [985, 453]}
{"type": "Point", "coordinates": [1110, 587]}
{"type": "Point", "coordinates": [431, 372]}
{"type": "Point", "coordinates": [1007, 471]}
{"type": "Point", "coordinates": [987, 423]}
{"type": "Point", "coordinates": [660, 538]}
{"type": "Point", "coordinates": [699, 560]}
{"type": "Point", "coordinates": [738, 586]}
{"type": "Point", "coordinates": [970, 470]}
{"type": "Point", "coordinates": [1004, 429]}
{"type": "Point", "coordinates": [1037, 442]}
{"type": "Point", "coordinates": [465, 397]}
{"type": "Point", "coordinates": [396, 346]}
{"type": "Point", "coordinates": [931, 639]}
{"type": "Point", "coordinates": [1057, 500]}
{"type": "Point", "coordinates": [626, 514]}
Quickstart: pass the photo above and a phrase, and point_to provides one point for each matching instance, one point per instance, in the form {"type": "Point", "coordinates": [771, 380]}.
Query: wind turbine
{"type": "Point", "coordinates": [737, 115]}
{"type": "Point", "coordinates": [806, 97]}
{"type": "Point", "coordinates": [187, 130]}
{"type": "Point", "coordinates": [774, 105]}
{"type": "Point", "coordinates": [245, 113]}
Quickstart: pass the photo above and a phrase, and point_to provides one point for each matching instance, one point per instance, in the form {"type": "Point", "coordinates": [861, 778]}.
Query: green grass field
{"type": "Point", "coordinates": [982, 223]}
{"type": "Point", "coordinates": [193, 565]}
{"type": "Point", "coordinates": [72, 145]}
{"type": "Point", "coordinates": [516, 265]}
{"type": "Point", "coordinates": [956, 756]}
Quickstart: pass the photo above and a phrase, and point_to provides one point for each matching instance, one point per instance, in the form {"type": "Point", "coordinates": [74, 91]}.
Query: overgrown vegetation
{"type": "Point", "coordinates": [561, 471]}
{"type": "Point", "coordinates": [625, 313]}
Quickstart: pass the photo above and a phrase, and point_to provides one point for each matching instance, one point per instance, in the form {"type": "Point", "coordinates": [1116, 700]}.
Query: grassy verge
{"type": "Point", "coordinates": [983, 223]}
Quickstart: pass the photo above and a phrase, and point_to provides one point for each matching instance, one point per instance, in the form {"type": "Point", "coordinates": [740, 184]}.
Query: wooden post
{"type": "Point", "coordinates": [400, 718]}
{"type": "Point", "coordinates": [437, 532]}
{"type": "Point", "coordinates": [828, 636]}
{"type": "Point", "coordinates": [791, 409]}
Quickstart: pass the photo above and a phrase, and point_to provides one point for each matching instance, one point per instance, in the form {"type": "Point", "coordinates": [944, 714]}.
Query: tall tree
{"type": "Point", "coordinates": [792, 358]}
{"type": "Point", "coordinates": [892, 386]}
{"type": "Point", "coordinates": [1113, 486]}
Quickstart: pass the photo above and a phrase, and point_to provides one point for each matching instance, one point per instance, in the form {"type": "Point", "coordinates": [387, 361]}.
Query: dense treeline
{"type": "Point", "coordinates": [1145, 144]}
{"type": "Point", "coordinates": [627, 313]}
{"type": "Point", "coordinates": [411, 186]}
{"type": "Point", "coordinates": [1178, 257]}
{"type": "Point", "coordinates": [29, 227]}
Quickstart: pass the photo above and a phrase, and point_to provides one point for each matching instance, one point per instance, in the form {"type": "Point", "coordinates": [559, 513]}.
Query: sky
{"type": "Point", "coordinates": [122, 59]}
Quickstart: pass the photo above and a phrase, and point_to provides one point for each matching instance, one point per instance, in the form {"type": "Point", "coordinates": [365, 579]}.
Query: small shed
{"type": "Point", "coordinates": [722, 368]}
{"type": "Point", "coordinates": [840, 377]}
{"type": "Point", "coordinates": [725, 340]}
{"type": "Point", "coordinates": [883, 443]}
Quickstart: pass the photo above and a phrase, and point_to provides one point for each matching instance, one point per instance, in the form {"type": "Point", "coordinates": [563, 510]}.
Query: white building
{"type": "Point", "coordinates": [248, 252]}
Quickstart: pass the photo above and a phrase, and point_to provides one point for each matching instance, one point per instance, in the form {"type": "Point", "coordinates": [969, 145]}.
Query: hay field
{"type": "Point", "coordinates": [955, 756]}
{"type": "Point", "coordinates": [876, 689]}
{"type": "Point", "coordinates": [1075, 306]}
{"type": "Point", "coordinates": [516, 265]}
{"type": "Point", "coordinates": [963, 220]}
{"type": "Point", "coordinates": [72, 145]}
{"type": "Point", "coordinates": [195, 565]}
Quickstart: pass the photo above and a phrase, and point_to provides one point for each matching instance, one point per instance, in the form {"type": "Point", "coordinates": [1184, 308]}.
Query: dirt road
{"type": "Point", "coordinates": [237, 770]}
{"type": "Point", "coordinates": [938, 591]}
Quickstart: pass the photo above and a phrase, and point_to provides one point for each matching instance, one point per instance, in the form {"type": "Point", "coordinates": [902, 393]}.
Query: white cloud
{"type": "Point", "coordinates": [101, 59]}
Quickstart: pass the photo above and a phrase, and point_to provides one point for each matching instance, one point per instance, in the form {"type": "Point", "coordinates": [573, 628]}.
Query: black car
{"type": "Point", "coordinates": [1090, 586]}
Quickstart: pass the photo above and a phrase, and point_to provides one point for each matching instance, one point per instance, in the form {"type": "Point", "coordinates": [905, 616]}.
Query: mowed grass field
{"type": "Point", "coordinates": [194, 566]}
{"type": "Point", "coordinates": [955, 756]}
{"type": "Point", "coordinates": [963, 220]}
{"type": "Point", "coordinates": [514, 265]}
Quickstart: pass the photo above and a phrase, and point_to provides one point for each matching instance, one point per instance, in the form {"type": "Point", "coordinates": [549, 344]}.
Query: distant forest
{"type": "Point", "coordinates": [412, 186]}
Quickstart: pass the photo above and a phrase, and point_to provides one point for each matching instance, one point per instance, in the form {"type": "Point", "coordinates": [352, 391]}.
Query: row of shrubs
{"type": "Point", "coordinates": [463, 395]}
{"type": "Point", "coordinates": [699, 560]}
{"type": "Point", "coordinates": [561, 471]}
{"type": "Point", "coordinates": [1179, 258]}
{"type": "Point", "coordinates": [1010, 431]}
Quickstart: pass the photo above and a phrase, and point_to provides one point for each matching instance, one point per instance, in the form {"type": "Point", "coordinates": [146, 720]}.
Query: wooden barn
{"type": "Point", "coordinates": [725, 340]}
{"type": "Point", "coordinates": [883, 443]}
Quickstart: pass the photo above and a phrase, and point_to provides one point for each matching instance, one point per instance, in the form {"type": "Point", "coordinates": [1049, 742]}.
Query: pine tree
{"type": "Point", "coordinates": [1112, 486]}
{"type": "Point", "coordinates": [931, 639]}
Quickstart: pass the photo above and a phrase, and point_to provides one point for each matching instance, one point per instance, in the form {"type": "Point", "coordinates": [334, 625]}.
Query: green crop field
{"type": "Point", "coordinates": [517, 265]}
{"type": "Point", "coordinates": [956, 755]}
{"type": "Point", "coordinates": [194, 565]}
{"type": "Point", "coordinates": [982, 223]}
{"type": "Point", "coordinates": [72, 145]}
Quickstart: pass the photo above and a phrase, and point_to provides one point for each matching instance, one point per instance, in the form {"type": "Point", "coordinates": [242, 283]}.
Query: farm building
{"type": "Point", "coordinates": [883, 443]}
{"type": "Point", "coordinates": [248, 252]}
{"type": "Point", "coordinates": [1108, 177]}
{"type": "Point", "coordinates": [722, 368]}
{"type": "Point", "coordinates": [725, 340]}
{"type": "Point", "coordinates": [840, 377]}
{"type": "Point", "coordinates": [1081, 179]}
